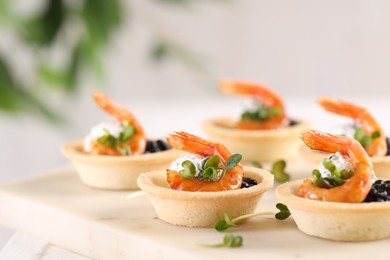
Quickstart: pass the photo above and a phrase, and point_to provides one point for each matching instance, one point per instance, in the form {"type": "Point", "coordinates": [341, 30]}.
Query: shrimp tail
{"type": "Point", "coordinates": [326, 142]}
{"type": "Point", "coordinates": [260, 91]}
{"type": "Point", "coordinates": [341, 107]}
{"type": "Point", "coordinates": [191, 143]}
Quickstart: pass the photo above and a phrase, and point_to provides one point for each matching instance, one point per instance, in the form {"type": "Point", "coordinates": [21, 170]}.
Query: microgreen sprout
{"type": "Point", "coordinates": [257, 164]}
{"type": "Point", "coordinates": [229, 240]}
{"type": "Point", "coordinates": [283, 213]}
{"type": "Point", "coordinates": [210, 169]}
{"type": "Point", "coordinates": [260, 114]}
{"type": "Point", "coordinates": [117, 142]}
{"type": "Point", "coordinates": [223, 225]}
{"type": "Point", "coordinates": [336, 177]}
{"type": "Point", "coordinates": [278, 170]}
{"type": "Point", "coordinates": [364, 139]}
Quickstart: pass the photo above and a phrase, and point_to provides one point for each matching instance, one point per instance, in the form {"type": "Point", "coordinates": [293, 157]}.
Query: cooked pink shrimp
{"type": "Point", "coordinates": [136, 143]}
{"type": "Point", "coordinates": [193, 144]}
{"type": "Point", "coordinates": [266, 96]}
{"type": "Point", "coordinates": [354, 189]}
{"type": "Point", "coordinates": [378, 146]}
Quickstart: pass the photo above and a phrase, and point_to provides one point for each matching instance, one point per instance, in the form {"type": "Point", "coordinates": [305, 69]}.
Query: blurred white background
{"type": "Point", "coordinates": [301, 48]}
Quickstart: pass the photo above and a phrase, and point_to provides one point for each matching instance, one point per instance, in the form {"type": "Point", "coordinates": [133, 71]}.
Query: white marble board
{"type": "Point", "coordinates": [99, 224]}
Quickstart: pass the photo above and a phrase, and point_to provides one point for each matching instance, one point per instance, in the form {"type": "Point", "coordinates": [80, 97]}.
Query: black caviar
{"type": "Point", "coordinates": [388, 145]}
{"type": "Point", "coordinates": [154, 146]}
{"type": "Point", "coordinates": [293, 122]}
{"type": "Point", "coordinates": [380, 191]}
{"type": "Point", "coordinates": [248, 182]}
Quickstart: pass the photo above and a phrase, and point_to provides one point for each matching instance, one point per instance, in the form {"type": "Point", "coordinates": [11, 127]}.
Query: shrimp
{"type": "Point", "coordinates": [137, 143]}
{"type": "Point", "coordinates": [378, 146]}
{"type": "Point", "coordinates": [190, 143]}
{"type": "Point", "coordinates": [354, 189]}
{"type": "Point", "coordinates": [266, 96]}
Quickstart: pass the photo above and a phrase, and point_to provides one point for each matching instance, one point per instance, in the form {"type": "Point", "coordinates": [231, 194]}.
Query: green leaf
{"type": "Point", "coordinates": [232, 161]}
{"type": "Point", "coordinates": [212, 161]}
{"type": "Point", "coordinates": [359, 133]}
{"type": "Point", "coordinates": [283, 213]}
{"type": "Point", "coordinates": [275, 111]}
{"type": "Point", "coordinates": [125, 150]}
{"type": "Point", "coordinates": [127, 133]}
{"type": "Point", "coordinates": [221, 225]}
{"type": "Point", "coordinates": [329, 165]}
{"type": "Point", "coordinates": [364, 139]}
{"type": "Point", "coordinates": [189, 170]}
{"type": "Point", "coordinates": [375, 135]}
{"type": "Point", "coordinates": [261, 114]}
{"type": "Point", "coordinates": [43, 28]}
{"type": "Point", "coordinates": [210, 174]}
{"type": "Point", "coordinates": [257, 164]}
{"type": "Point", "coordinates": [229, 240]}
{"type": "Point", "coordinates": [278, 170]}
{"type": "Point", "coordinates": [108, 140]}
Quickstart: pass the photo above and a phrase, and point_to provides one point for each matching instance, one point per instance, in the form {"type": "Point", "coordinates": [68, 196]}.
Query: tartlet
{"type": "Point", "coordinates": [257, 145]}
{"type": "Point", "coordinates": [263, 132]}
{"type": "Point", "coordinates": [337, 221]}
{"type": "Point", "coordinates": [115, 172]}
{"type": "Point", "coordinates": [343, 200]}
{"type": "Point", "coordinates": [202, 209]}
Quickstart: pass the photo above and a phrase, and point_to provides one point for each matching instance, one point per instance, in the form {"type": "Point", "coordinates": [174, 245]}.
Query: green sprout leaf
{"type": "Point", "coordinates": [229, 240]}
{"type": "Point", "coordinates": [336, 178]}
{"type": "Point", "coordinates": [278, 170]}
{"type": "Point", "coordinates": [261, 114]}
{"type": "Point", "coordinates": [127, 132]}
{"type": "Point", "coordinates": [108, 140]}
{"type": "Point", "coordinates": [116, 142]}
{"type": "Point", "coordinates": [375, 135]}
{"type": "Point", "coordinates": [232, 161]}
{"type": "Point", "coordinates": [210, 169]}
{"type": "Point", "coordinates": [283, 213]}
{"type": "Point", "coordinates": [364, 139]}
{"type": "Point", "coordinates": [212, 161]}
{"type": "Point", "coordinates": [226, 222]}
{"type": "Point", "coordinates": [257, 164]}
{"type": "Point", "coordinates": [189, 170]}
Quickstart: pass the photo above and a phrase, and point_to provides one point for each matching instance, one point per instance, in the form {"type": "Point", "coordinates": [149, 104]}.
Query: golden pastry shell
{"type": "Point", "coordinates": [337, 221]}
{"type": "Point", "coordinates": [115, 172]}
{"type": "Point", "coordinates": [202, 209]}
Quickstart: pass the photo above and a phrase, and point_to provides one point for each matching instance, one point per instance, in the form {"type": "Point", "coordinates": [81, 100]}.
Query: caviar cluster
{"type": "Point", "coordinates": [248, 182]}
{"type": "Point", "coordinates": [388, 145]}
{"type": "Point", "coordinates": [154, 146]}
{"type": "Point", "coordinates": [380, 191]}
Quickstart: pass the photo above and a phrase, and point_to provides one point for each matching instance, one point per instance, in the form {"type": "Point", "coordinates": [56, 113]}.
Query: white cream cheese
{"type": "Point", "coordinates": [97, 131]}
{"type": "Point", "coordinates": [341, 162]}
{"type": "Point", "coordinates": [346, 130]}
{"type": "Point", "coordinates": [194, 158]}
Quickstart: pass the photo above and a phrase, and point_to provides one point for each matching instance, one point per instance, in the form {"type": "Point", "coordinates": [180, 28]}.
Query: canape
{"type": "Point", "coordinates": [263, 132]}
{"type": "Point", "coordinates": [203, 184]}
{"type": "Point", "coordinates": [343, 200]}
{"type": "Point", "coordinates": [113, 155]}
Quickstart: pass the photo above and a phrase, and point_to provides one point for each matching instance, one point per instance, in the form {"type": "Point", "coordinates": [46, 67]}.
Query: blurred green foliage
{"type": "Point", "coordinates": [99, 19]}
{"type": "Point", "coordinates": [45, 30]}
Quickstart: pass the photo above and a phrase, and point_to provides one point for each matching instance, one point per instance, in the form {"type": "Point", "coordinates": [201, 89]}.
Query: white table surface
{"type": "Point", "coordinates": [303, 107]}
